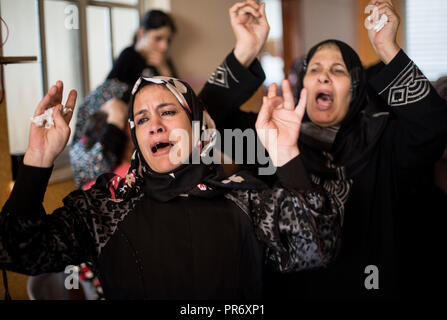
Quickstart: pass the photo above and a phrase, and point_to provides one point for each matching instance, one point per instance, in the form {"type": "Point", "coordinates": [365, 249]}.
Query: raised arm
{"type": "Point", "coordinates": [384, 42]}
{"type": "Point", "coordinates": [30, 241]}
{"type": "Point", "coordinates": [34, 242]}
{"type": "Point", "coordinates": [419, 114]}
{"type": "Point", "coordinates": [250, 27]}
{"type": "Point", "coordinates": [240, 74]}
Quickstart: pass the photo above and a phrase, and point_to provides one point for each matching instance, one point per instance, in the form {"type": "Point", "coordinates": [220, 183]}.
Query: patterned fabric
{"type": "Point", "coordinates": [409, 86]}
{"type": "Point", "coordinates": [89, 164]}
{"type": "Point", "coordinates": [220, 76]}
{"type": "Point", "coordinates": [300, 230]}
{"type": "Point", "coordinates": [86, 274]}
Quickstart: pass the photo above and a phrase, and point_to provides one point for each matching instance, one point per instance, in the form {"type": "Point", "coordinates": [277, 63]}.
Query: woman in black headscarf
{"type": "Point", "coordinates": [386, 144]}
{"type": "Point", "coordinates": [170, 230]}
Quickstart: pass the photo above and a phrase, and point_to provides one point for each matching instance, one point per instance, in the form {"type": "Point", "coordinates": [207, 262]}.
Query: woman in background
{"type": "Point", "coordinates": [103, 151]}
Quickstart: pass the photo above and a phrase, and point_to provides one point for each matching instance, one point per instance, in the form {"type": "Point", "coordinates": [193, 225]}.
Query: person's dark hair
{"type": "Point", "coordinates": [94, 128]}
{"type": "Point", "coordinates": [155, 19]}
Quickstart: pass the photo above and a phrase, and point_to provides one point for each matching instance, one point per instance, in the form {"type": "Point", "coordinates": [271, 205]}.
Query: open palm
{"type": "Point", "coordinates": [278, 123]}
{"type": "Point", "coordinates": [46, 144]}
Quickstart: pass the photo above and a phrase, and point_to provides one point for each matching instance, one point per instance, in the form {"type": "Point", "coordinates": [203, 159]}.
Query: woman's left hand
{"type": "Point", "coordinates": [278, 123]}
{"type": "Point", "coordinates": [384, 42]}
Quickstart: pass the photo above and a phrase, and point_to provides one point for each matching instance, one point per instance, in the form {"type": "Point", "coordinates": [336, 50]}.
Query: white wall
{"type": "Point", "coordinates": [204, 37]}
{"type": "Point", "coordinates": [328, 19]}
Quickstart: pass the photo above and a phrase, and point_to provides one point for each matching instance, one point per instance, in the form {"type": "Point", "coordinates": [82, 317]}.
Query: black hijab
{"type": "Point", "coordinates": [343, 150]}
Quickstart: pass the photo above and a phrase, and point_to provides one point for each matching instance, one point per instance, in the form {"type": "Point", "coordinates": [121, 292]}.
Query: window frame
{"type": "Point", "coordinates": [61, 172]}
{"type": "Point", "coordinates": [82, 7]}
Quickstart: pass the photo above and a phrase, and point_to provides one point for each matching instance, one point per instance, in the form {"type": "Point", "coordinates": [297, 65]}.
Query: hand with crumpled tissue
{"type": "Point", "coordinates": [47, 117]}
{"type": "Point", "coordinates": [373, 21]}
{"type": "Point", "coordinates": [383, 25]}
{"type": "Point", "coordinates": [46, 143]}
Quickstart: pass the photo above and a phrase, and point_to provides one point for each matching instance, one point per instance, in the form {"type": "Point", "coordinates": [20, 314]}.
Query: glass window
{"type": "Point", "coordinates": [124, 27]}
{"type": "Point", "coordinates": [23, 82]}
{"type": "Point", "coordinates": [63, 54]}
{"type": "Point", "coordinates": [99, 45]}
{"type": "Point", "coordinates": [272, 56]}
{"type": "Point", "coordinates": [63, 51]}
{"type": "Point", "coordinates": [23, 87]}
{"type": "Point", "coordinates": [131, 2]}
{"type": "Point", "coordinates": [426, 39]}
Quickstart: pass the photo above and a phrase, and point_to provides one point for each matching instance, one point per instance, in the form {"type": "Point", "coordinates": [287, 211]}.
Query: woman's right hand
{"type": "Point", "coordinates": [46, 144]}
{"type": "Point", "coordinates": [250, 27]}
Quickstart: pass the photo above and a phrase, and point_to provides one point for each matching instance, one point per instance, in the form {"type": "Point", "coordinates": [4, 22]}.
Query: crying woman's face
{"type": "Point", "coordinates": [328, 85]}
{"type": "Point", "coordinates": [162, 128]}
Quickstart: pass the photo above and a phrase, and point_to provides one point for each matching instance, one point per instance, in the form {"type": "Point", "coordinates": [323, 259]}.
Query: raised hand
{"type": "Point", "coordinates": [278, 123]}
{"type": "Point", "coordinates": [46, 144]}
{"type": "Point", "coordinates": [384, 42]}
{"type": "Point", "coordinates": [251, 29]}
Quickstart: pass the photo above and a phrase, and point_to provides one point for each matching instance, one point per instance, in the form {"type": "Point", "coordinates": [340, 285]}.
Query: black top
{"type": "Point", "coordinates": [187, 248]}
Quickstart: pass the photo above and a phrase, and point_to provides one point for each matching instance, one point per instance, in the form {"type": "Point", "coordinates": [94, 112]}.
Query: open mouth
{"type": "Point", "coordinates": [324, 100]}
{"type": "Point", "coordinates": [160, 146]}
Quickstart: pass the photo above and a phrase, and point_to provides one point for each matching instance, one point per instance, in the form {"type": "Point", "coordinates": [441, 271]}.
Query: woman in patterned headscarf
{"type": "Point", "coordinates": [171, 230]}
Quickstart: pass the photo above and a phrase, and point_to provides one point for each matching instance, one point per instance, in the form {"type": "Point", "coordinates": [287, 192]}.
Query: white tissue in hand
{"type": "Point", "coordinates": [373, 21]}
{"type": "Point", "coordinates": [47, 117]}
{"type": "Point", "coordinates": [381, 23]}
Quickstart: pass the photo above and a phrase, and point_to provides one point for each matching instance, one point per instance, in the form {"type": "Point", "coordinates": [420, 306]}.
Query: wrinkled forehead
{"type": "Point", "coordinates": [153, 94]}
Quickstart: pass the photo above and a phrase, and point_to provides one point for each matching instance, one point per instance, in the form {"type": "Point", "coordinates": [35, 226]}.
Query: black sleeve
{"type": "Point", "coordinates": [32, 242]}
{"type": "Point", "coordinates": [419, 114]}
{"type": "Point", "coordinates": [293, 175]}
{"type": "Point", "coordinates": [31, 181]}
{"type": "Point", "coordinates": [300, 229]}
{"type": "Point", "coordinates": [227, 89]}
{"type": "Point", "coordinates": [127, 67]}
